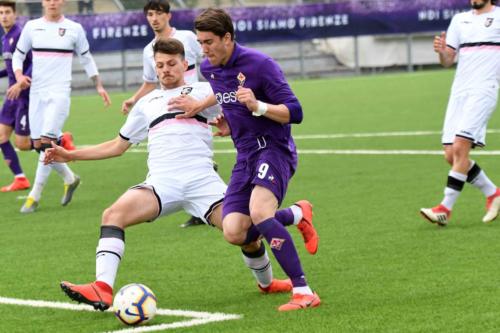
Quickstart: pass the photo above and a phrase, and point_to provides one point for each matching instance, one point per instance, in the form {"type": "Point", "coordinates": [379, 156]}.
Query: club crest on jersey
{"type": "Point", "coordinates": [62, 32]}
{"type": "Point", "coordinates": [276, 243]}
{"type": "Point", "coordinates": [241, 79]}
{"type": "Point", "coordinates": [11, 40]}
{"type": "Point", "coordinates": [186, 90]}
{"type": "Point", "coordinates": [212, 76]}
{"type": "Point", "coordinates": [488, 22]}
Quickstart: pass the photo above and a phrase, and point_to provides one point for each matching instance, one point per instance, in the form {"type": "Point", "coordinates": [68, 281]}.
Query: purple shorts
{"type": "Point", "coordinates": [15, 114]}
{"type": "Point", "coordinates": [269, 168]}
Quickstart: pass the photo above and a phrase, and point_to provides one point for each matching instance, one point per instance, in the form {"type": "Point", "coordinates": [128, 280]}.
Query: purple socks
{"type": "Point", "coordinates": [11, 158]}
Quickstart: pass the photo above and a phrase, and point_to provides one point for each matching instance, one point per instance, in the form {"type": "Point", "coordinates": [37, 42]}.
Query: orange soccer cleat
{"type": "Point", "coordinates": [19, 184]}
{"type": "Point", "coordinates": [98, 294]}
{"type": "Point", "coordinates": [67, 141]}
{"type": "Point", "coordinates": [277, 286]}
{"type": "Point", "coordinates": [306, 227]}
{"type": "Point", "coordinates": [492, 207]}
{"type": "Point", "coordinates": [439, 214]}
{"type": "Point", "coordinates": [300, 301]}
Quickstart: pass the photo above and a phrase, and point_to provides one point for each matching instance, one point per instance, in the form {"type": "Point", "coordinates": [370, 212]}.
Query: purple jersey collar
{"type": "Point", "coordinates": [234, 55]}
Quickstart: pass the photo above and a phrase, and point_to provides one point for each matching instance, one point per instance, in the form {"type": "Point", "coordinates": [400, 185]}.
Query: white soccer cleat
{"type": "Point", "coordinates": [439, 214]}
{"type": "Point", "coordinates": [29, 206]}
{"type": "Point", "coordinates": [492, 207]}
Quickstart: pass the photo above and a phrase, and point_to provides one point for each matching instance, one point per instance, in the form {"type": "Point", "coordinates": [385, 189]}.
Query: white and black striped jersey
{"type": "Point", "coordinates": [53, 45]}
{"type": "Point", "coordinates": [476, 38]}
{"type": "Point", "coordinates": [192, 50]}
{"type": "Point", "coordinates": [173, 144]}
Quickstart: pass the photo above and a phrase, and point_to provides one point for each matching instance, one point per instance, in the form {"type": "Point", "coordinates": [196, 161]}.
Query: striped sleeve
{"type": "Point", "coordinates": [453, 34]}
{"type": "Point", "coordinates": [82, 50]}
{"type": "Point", "coordinates": [135, 128]}
{"type": "Point", "coordinates": [23, 47]}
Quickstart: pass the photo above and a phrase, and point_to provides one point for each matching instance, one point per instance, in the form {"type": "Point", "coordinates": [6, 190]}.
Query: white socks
{"type": "Point", "coordinates": [108, 255]}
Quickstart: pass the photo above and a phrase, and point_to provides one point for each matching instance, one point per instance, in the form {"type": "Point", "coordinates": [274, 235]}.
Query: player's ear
{"type": "Point", "coordinates": [185, 64]}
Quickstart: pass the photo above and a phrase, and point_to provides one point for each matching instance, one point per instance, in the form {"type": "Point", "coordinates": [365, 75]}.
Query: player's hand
{"type": "Point", "coordinates": [14, 91]}
{"type": "Point", "coordinates": [440, 43]}
{"type": "Point", "coordinates": [104, 94]}
{"type": "Point", "coordinates": [56, 154]}
{"type": "Point", "coordinates": [247, 97]}
{"type": "Point", "coordinates": [185, 103]}
{"type": "Point", "coordinates": [222, 126]}
{"type": "Point", "coordinates": [127, 105]}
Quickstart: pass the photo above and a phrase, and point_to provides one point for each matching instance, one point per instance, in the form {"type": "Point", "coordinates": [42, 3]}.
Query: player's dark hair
{"type": "Point", "coordinates": [169, 46]}
{"type": "Point", "coordinates": [159, 5]}
{"type": "Point", "coordinates": [215, 20]}
{"type": "Point", "coordinates": [10, 4]}
{"type": "Point", "coordinates": [493, 2]}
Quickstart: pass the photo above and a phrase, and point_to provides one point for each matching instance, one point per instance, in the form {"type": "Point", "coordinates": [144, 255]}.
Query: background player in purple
{"type": "Point", "coordinates": [259, 107]}
{"type": "Point", "coordinates": [14, 114]}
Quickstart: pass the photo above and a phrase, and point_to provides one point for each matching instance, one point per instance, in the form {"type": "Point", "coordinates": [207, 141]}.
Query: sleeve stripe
{"type": "Point", "coordinates": [451, 47]}
{"type": "Point", "coordinates": [85, 52]}
{"type": "Point", "coordinates": [20, 50]}
{"type": "Point", "coordinates": [124, 137]}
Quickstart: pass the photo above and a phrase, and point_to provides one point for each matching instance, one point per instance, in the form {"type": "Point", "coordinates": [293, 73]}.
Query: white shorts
{"type": "Point", "coordinates": [198, 192]}
{"type": "Point", "coordinates": [48, 112]}
{"type": "Point", "coordinates": [467, 117]}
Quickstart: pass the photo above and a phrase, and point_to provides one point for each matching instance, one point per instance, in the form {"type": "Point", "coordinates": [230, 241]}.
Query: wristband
{"type": "Point", "coordinates": [261, 109]}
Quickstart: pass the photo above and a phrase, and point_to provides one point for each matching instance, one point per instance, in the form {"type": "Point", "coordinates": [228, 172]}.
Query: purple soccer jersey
{"type": "Point", "coordinates": [15, 113]}
{"type": "Point", "coordinates": [266, 151]}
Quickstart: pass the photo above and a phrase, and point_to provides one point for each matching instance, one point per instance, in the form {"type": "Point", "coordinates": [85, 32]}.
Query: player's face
{"type": "Point", "coordinates": [158, 20]}
{"type": "Point", "coordinates": [7, 17]}
{"type": "Point", "coordinates": [53, 7]}
{"type": "Point", "coordinates": [170, 69]}
{"type": "Point", "coordinates": [479, 4]}
{"type": "Point", "coordinates": [216, 49]}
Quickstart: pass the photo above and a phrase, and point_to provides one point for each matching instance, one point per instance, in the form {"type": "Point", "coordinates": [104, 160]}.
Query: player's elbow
{"type": "Point", "coordinates": [295, 110]}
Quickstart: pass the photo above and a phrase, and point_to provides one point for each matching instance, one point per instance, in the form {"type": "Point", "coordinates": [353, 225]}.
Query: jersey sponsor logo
{"type": "Point", "coordinates": [488, 22]}
{"type": "Point", "coordinates": [7, 55]}
{"type": "Point", "coordinates": [276, 243]}
{"type": "Point", "coordinates": [241, 79]}
{"type": "Point", "coordinates": [62, 32]}
{"type": "Point", "coordinates": [225, 98]}
{"type": "Point", "coordinates": [186, 91]}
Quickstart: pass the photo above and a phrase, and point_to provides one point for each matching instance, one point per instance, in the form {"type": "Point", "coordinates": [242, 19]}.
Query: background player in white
{"type": "Point", "coordinates": [180, 177]}
{"type": "Point", "coordinates": [475, 37]}
{"type": "Point", "coordinates": [53, 40]}
{"type": "Point", "coordinates": [158, 14]}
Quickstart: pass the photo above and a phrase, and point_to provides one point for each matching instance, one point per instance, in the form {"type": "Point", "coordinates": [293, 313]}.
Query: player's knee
{"type": "Point", "coordinates": [112, 216]}
{"type": "Point", "coordinates": [23, 144]}
{"type": "Point", "coordinates": [258, 215]}
{"type": "Point", "coordinates": [234, 238]}
{"type": "Point", "coordinates": [3, 137]}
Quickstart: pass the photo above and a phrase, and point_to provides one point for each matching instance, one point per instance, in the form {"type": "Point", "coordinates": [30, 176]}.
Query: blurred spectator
{"type": "Point", "coordinates": [86, 7]}
{"type": "Point", "coordinates": [34, 9]}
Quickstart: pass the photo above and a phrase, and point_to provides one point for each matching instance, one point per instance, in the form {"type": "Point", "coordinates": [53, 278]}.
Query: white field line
{"type": "Point", "coordinates": [348, 152]}
{"type": "Point", "coordinates": [362, 135]}
{"type": "Point", "coordinates": [142, 149]}
{"type": "Point", "coordinates": [199, 318]}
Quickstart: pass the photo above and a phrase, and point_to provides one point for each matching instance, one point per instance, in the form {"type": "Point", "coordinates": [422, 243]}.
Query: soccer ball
{"type": "Point", "coordinates": [134, 304]}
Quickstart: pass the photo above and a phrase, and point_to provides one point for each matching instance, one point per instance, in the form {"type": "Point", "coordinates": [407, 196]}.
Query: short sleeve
{"type": "Point", "coordinates": [453, 34]}
{"type": "Point", "coordinates": [135, 128]}
{"type": "Point", "coordinates": [149, 71]}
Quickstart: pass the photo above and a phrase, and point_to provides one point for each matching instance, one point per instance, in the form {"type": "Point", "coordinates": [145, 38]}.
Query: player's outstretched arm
{"type": "Point", "coordinates": [190, 106]}
{"type": "Point", "coordinates": [446, 53]}
{"type": "Point", "coordinates": [109, 149]}
{"type": "Point", "coordinates": [145, 89]}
